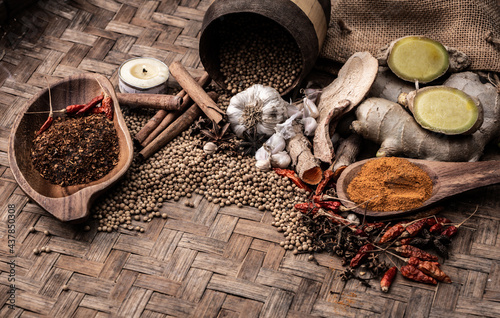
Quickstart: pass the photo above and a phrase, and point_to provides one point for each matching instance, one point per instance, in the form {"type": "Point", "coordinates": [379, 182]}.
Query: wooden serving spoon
{"type": "Point", "coordinates": [448, 178]}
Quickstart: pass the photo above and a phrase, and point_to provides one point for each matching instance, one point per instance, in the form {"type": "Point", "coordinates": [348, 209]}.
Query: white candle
{"type": "Point", "coordinates": [143, 75]}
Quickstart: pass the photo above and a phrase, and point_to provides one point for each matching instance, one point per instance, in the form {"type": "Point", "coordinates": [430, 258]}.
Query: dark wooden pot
{"type": "Point", "coordinates": [305, 20]}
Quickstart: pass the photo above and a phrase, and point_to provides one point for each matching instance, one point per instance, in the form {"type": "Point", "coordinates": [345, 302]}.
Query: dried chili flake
{"type": "Point", "coordinates": [290, 174]}
{"type": "Point", "coordinates": [412, 251]}
{"type": "Point", "coordinates": [361, 255]}
{"type": "Point", "coordinates": [413, 273]}
{"type": "Point", "coordinates": [388, 278]}
{"type": "Point", "coordinates": [76, 150]}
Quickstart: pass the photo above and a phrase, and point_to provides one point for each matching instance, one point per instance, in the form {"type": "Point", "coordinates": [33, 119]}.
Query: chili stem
{"type": "Point", "coordinates": [460, 224]}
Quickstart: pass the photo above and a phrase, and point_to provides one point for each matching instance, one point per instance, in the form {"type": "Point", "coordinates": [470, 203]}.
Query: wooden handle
{"type": "Point", "coordinates": [196, 92]}
{"type": "Point", "coordinates": [156, 101]}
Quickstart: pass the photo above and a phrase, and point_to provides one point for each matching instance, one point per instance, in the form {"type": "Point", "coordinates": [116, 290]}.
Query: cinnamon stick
{"type": "Point", "coordinates": [171, 116]}
{"type": "Point", "coordinates": [155, 101]}
{"type": "Point", "coordinates": [151, 125]}
{"type": "Point", "coordinates": [179, 125]}
{"type": "Point", "coordinates": [196, 92]}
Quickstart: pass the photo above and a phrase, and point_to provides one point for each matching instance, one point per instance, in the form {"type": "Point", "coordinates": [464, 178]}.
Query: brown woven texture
{"type": "Point", "coordinates": [368, 25]}
{"type": "Point", "coordinates": [204, 261]}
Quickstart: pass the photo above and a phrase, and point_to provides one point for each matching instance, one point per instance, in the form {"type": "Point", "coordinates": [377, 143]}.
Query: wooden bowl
{"type": "Point", "coordinates": [70, 203]}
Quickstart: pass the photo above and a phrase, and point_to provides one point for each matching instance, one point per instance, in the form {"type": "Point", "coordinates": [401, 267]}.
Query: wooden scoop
{"type": "Point", "coordinates": [448, 178]}
{"type": "Point", "coordinates": [71, 203]}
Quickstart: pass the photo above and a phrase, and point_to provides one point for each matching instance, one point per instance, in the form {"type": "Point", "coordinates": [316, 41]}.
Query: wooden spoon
{"type": "Point", "coordinates": [448, 178]}
{"type": "Point", "coordinates": [71, 203]}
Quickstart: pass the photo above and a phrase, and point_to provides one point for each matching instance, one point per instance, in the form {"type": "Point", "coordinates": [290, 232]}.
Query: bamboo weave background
{"type": "Point", "coordinates": [204, 261]}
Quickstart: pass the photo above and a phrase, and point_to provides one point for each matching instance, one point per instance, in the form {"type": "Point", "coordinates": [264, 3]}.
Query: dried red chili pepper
{"type": "Point", "coordinates": [414, 228]}
{"type": "Point", "coordinates": [392, 233]}
{"type": "Point", "coordinates": [370, 227]}
{"type": "Point", "coordinates": [49, 120]}
{"type": "Point", "coordinates": [388, 278]}
{"type": "Point", "coordinates": [46, 125]}
{"type": "Point", "coordinates": [107, 105]}
{"type": "Point", "coordinates": [292, 176]}
{"type": "Point", "coordinates": [430, 268]}
{"type": "Point", "coordinates": [413, 273]}
{"type": "Point", "coordinates": [307, 207]}
{"type": "Point", "coordinates": [434, 219]}
{"type": "Point", "coordinates": [361, 255]}
{"type": "Point", "coordinates": [436, 228]}
{"type": "Point", "coordinates": [409, 251]}
{"type": "Point", "coordinates": [404, 241]}
{"type": "Point", "coordinates": [450, 231]}
{"type": "Point", "coordinates": [329, 205]}
{"type": "Point", "coordinates": [96, 100]}
{"type": "Point", "coordinates": [327, 177]}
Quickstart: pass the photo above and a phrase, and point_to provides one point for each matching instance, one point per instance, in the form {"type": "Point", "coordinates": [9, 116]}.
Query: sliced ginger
{"type": "Point", "coordinates": [444, 110]}
{"type": "Point", "coordinates": [418, 59]}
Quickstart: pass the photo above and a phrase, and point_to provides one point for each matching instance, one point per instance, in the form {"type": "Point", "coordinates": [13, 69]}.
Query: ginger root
{"type": "Point", "coordinates": [388, 124]}
{"type": "Point", "coordinates": [420, 59]}
{"type": "Point", "coordinates": [444, 110]}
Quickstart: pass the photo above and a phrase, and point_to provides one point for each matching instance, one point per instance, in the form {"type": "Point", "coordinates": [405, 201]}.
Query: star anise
{"type": "Point", "coordinates": [251, 142]}
{"type": "Point", "coordinates": [198, 125]}
{"type": "Point", "coordinates": [217, 134]}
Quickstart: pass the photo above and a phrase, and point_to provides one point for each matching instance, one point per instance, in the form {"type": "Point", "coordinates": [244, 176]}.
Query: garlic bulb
{"type": "Point", "coordinates": [310, 109]}
{"type": "Point", "coordinates": [281, 160]}
{"type": "Point", "coordinates": [258, 106]}
{"type": "Point", "coordinates": [310, 125]}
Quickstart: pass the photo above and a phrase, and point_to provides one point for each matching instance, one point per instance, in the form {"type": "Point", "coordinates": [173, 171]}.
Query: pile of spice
{"type": "Point", "coordinates": [76, 150]}
{"type": "Point", "coordinates": [182, 169]}
{"type": "Point", "coordinates": [261, 52]}
{"type": "Point", "coordinates": [390, 184]}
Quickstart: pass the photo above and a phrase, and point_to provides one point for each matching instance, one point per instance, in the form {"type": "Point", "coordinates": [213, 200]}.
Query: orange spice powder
{"type": "Point", "coordinates": [390, 184]}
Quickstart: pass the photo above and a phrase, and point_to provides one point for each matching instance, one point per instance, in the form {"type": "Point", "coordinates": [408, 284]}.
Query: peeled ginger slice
{"type": "Point", "coordinates": [418, 59]}
{"type": "Point", "coordinates": [444, 110]}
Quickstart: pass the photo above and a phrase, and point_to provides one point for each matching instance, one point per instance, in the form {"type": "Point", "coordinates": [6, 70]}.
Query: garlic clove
{"type": "Point", "coordinates": [281, 160]}
{"type": "Point", "coordinates": [310, 109]}
{"type": "Point", "coordinates": [276, 143]}
{"type": "Point", "coordinates": [263, 165]}
{"type": "Point", "coordinates": [262, 154]}
{"type": "Point", "coordinates": [310, 125]}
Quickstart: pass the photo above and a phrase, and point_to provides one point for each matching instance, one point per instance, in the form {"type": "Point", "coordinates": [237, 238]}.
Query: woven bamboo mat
{"type": "Point", "coordinates": [204, 261]}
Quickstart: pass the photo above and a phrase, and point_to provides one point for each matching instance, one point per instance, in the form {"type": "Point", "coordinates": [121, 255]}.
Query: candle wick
{"type": "Point", "coordinates": [144, 70]}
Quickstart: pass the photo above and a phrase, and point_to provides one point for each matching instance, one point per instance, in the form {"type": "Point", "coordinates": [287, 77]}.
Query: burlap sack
{"type": "Point", "coordinates": [471, 26]}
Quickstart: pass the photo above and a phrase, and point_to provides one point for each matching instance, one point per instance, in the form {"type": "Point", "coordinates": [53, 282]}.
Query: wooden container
{"type": "Point", "coordinates": [305, 20]}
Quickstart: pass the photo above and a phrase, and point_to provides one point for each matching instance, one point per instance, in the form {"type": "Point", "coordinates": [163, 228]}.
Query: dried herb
{"type": "Point", "coordinates": [76, 150]}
